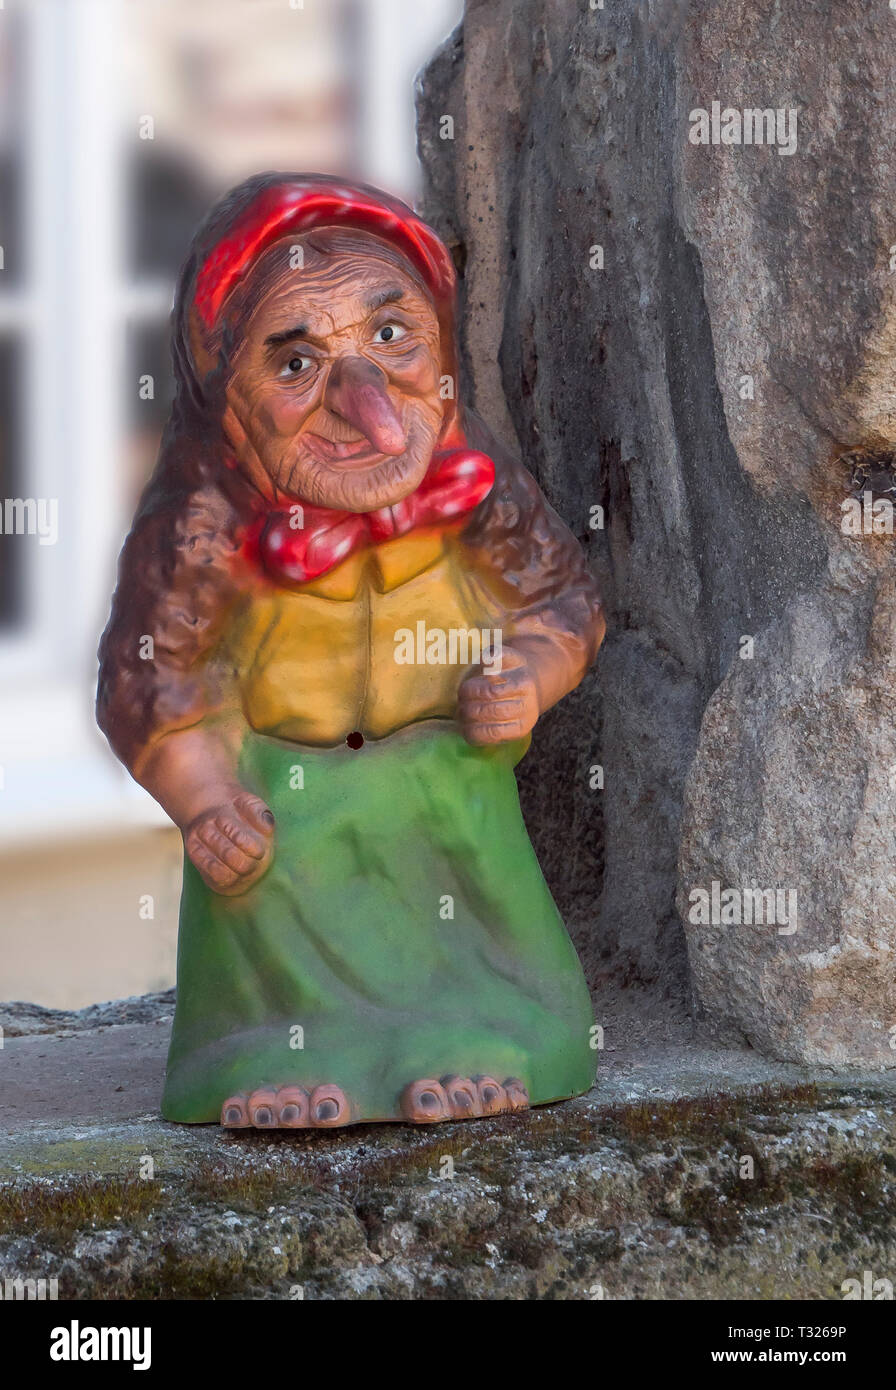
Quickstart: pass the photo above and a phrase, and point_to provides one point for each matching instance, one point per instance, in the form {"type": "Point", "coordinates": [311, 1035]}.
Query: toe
{"type": "Point", "coordinates": [425, 1102]}
{"type": "Point", "coordinates": [463, 1097]}
{"type": "Point", "coordinates": [294, 1107]}
{"type": "Point", "coordinates": [517, 1095]}
{"type": "Point", "coordinates": [329, 1107]}
{"type": "Point", "coordinates": [263, 1109]}
{"type": "Point", "coordinates": [235, 1113]}
{"type": "Point", "coordinates": [492, 1096]}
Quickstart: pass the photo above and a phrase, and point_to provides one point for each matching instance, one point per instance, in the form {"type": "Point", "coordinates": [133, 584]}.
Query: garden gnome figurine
{"type": "Point", "coordinates": [340, 611]}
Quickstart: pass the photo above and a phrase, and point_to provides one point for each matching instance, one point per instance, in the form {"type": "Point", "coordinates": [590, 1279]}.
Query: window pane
{"type": "Point", "coordinates": [11, 150]}
{"type": "Point", "coordinates": [12, 547]}
{"type": "Point", "coordinates": [148, 355]}
{"type": "Point", "coordinates": [166, 200]}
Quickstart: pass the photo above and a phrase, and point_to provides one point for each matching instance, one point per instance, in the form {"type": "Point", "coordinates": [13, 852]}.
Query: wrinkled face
{"type": "Point", "coordinates": [334, 388]}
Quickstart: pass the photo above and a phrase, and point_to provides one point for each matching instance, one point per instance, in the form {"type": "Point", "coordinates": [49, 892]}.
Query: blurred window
{"type": "Point", "coordinates": [94, 224]}
{"type": "Point", "coordinates": [14, 308]}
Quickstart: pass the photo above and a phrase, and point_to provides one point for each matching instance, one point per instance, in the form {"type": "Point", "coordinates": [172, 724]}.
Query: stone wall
{"type": "Point", "coordinates": [717, 378]}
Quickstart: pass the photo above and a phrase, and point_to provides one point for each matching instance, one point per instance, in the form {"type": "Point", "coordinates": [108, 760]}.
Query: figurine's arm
{"type": "Point", "coordinates": [533, 569]}
{"type": "Point", "coordinates": [161, 701]}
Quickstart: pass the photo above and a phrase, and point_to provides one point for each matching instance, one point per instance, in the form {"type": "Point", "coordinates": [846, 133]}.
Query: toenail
{"type": "Point", "coordinates": [233, 1115]}
{"type": "Point", "coordinates": [429, 1100]}
{"type": "Point", "coordinates": [327, 1110]}
{"type": "Point", "coordinates": [289, 1113]}
{"type": "Point", "coordinates": [263, 1116]}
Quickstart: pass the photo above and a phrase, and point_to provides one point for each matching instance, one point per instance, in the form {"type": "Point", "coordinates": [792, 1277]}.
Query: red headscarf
{"type": "Point", "coordinates": [229, 245]}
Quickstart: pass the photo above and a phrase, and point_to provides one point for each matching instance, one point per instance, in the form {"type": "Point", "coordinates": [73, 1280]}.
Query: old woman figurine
{"type": "Point", "coordinates": [340, 611]}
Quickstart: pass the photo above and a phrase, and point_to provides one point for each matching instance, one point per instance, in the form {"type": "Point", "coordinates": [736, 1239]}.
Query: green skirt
{"type": "Point", "coordinates": [404, 930]}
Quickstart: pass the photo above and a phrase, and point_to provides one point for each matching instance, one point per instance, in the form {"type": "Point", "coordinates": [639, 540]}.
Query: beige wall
{"type": "Point", "coordinates": [71, 932]}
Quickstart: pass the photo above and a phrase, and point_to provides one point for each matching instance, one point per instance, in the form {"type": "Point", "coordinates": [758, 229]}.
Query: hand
{"type": "Point", "coordinates": [501, 707]}
{"type": "Point", "coordinates": [232, 844]}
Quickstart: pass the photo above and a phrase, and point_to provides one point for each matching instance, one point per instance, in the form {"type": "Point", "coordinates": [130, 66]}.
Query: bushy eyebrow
{"type": "Point", "coordinates": [277, 339]}
{"type": "Point", "coordinates": [302, 330]}
{"type": "Point", "coordinates": [377, 301]}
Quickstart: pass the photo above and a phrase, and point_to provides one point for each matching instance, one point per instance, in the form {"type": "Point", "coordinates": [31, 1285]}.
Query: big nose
{"type": "Point", "coordinates": [356, 391]}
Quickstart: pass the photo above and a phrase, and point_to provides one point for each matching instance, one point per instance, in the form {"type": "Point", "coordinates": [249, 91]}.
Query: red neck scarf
{"type": "Point", "coordinates": [298, 544]}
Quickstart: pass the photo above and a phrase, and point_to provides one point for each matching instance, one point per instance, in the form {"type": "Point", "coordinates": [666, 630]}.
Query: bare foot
{"type": "Point", "coordinates": [492, 1096]}
{"type": "Point", "coordinates": [461, 1098]}
{"type": "Point", "coordinates": [517, 1095]}
{"type": "Point", "coordinates": [288, 1107]}
{"type": "Point", "coordinates": [295, 1110]}
{"type": "Point", "coordinates": [425, 1102]}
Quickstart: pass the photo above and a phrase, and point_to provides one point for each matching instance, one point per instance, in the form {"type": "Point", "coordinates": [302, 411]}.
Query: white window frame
{"type": "Point", "coordinates": [73, 307]}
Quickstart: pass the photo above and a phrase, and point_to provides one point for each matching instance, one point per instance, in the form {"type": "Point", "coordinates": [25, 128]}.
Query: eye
{"type": "Point", "coordinates": [296, 365]}
{"type": "Point", "coordinates": [389, 333]}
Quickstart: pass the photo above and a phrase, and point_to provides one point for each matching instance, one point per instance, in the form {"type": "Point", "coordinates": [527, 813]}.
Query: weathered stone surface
{"type": "Point", "coordinates": [638, 1190]}
{"type": "Point", "coordinates": [19, 1019]}
{"type": "Point", "coordinates": [651, 1199]}
{"type": "Point", "coordinates": [766, 765]}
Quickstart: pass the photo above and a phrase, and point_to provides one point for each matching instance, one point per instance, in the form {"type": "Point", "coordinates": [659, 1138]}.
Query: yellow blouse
{"type": "Point", "coordinates": [317, 663]}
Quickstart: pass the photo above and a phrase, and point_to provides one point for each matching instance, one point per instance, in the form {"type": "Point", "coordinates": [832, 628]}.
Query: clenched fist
{"type": "Point", "coordinates": [232, 844]}
{"type": "Point", "coordinates": [499, 707]}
